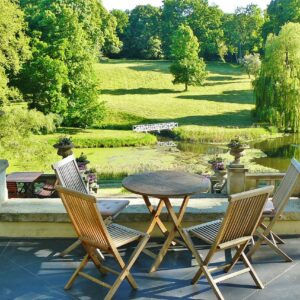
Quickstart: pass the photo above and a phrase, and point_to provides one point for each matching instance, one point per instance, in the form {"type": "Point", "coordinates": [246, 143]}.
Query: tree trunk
{"type": "Point", "coordinates": [186, 87]}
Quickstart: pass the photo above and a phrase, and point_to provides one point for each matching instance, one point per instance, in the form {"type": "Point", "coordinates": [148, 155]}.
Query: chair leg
{"type": "Point", "coordinates": [252, 271]}
{"type": "Point", "coordinates": [70, 248]}
{"type": "Point", "coordinates": [275, 248]}
{"type": "Point", "coordinates": [255, 247]}
{"type": "Point", "coordinates": [75, 274]}
{"type": "Point", "coordinates": [239, 251]}
{"type": "Point", "coordinates": [125, 268]}
{"type": "Point", "coordinates": [212, 283]}
{"type": "Point", "coordinates": [276, 237]}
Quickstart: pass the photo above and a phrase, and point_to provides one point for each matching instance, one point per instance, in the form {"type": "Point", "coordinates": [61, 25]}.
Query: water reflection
{"type": "Point", "coordinates": [201, 148]}
{"type": "Point", "coordinates": [279, 151]}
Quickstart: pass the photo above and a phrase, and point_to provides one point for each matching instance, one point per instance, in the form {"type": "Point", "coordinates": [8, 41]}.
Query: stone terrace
{"type": "Point", "coordinates": [31, 269]}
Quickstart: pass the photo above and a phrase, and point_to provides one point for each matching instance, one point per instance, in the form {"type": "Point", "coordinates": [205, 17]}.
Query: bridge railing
{"type": "Point", "coordinates": [154, 127]}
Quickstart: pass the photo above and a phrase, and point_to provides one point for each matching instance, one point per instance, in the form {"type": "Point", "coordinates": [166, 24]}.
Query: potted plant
{"type": "Point", "coordinates": [91, 177]}
{"type": "Point", "coordinates": [64, 146]}
{"type": "Point", "coordinates": [82, 161]}
{"type": "Point", "coordinates": [218, 166]}
{"type": "Point", "coordinates": [236, 149]}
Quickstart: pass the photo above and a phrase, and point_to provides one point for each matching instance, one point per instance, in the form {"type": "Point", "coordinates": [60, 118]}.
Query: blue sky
{"type": "Point", "coordinates": [225, 5]}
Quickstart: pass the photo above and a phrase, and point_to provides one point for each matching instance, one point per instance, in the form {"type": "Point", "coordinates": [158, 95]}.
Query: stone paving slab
{"type": "Point", "coordinates": [31, 269]}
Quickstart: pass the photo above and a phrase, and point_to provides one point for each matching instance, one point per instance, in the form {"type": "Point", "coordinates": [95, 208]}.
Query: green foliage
{"type": "Point", "coordinates": [242, 30]}
{"type": "Point", "coordinates": [221, 135]}
{"type": "Point", "coordinates": [144, 25]}
{"type": "Point", "coordinates": [280, 12]}
{"type": "Point", "coordinates": [277, 89]}
{"type": "Point", "coordinates": [153, 49]}
{"type": "Point", "coordinates": [112, 44]}
{"type": "Point", "coordinates": [95, 138]}
{"type": "Point", "coordinates": [122, 18]}
{"type": "Point", "coordinates": [59, 78]}
{"type": "Point", "coordinates": [14, 49]}
{"type": "Point", "coordinates": [16, 137]}
{"type": "Point", "coordinates": [251, 64]}
{"type": "Point", "coordinates": [204, 20]}
{"type": "Point", "coordinates": [186, 68]}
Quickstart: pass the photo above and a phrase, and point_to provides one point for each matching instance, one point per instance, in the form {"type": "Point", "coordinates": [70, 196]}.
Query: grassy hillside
{"type": "Point", "coordinates": [142, 91]}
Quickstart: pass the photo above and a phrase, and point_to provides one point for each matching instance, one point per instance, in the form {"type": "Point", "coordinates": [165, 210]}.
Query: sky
{"type": "Point", "coordinates": [226, 5]}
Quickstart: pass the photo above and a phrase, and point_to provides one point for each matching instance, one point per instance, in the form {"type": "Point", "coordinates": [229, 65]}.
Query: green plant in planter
{"type": "Point", "coordinates": [217, 163]}
{"type": "Point", "coordinates": [82, 161]}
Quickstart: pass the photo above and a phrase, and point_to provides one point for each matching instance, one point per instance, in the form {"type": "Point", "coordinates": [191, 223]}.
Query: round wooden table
{"type": "Point", "coordinates": [165, 185]}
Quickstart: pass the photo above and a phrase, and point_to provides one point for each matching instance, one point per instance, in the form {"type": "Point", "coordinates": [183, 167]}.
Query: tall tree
{"type": "Point", "coordinates": [243, 30]}
{"type": "Point", "coordinates": [14, 46]}
{"type": "Point", "coordinates": [187, 67]}
{"type": "Point", "coordinates": [144, 24]}
{"type": "Point", "coordinates": [277, 89]}
{"type": "Point", "coordinates": [122, 18]}
{"type": "Point", "coordinates": [204, 20]}
{"type": "Point", "coordinates": [280, 12]}
{"type": "Point", "coordinates": [59, 78]}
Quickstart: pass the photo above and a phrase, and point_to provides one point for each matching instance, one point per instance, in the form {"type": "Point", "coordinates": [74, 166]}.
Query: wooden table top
{"type": "Point", "coordinates": [23, 177]}
{"type": "Point", "coordinates": [166, 184]}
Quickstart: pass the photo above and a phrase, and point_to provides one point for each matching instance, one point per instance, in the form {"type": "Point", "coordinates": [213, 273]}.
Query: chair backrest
{"type": "Point", "coordinates": [243, 214]}
{"type": "Point", "coordinates": [286, 186]}
{"type": "Point", "coordinates": [85, 218]}
{"type": "Point", "coordinates": [68, 174]}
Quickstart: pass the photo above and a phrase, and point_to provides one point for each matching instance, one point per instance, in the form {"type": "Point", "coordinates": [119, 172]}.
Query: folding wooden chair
{"type": "Point", "coordinates": [274, 210]}
{"type": "Point", "coordinates": [68, 175]}
{"type": "Point", "coordinates": [234, 231]}
{"type": "Point", "coordinates": [95, 234]}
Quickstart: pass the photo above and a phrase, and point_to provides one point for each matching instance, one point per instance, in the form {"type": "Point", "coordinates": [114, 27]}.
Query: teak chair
{"type": "Point", "coordinates": [68, 175]}
{"type": "Point", "coordinates": [95, 234]}
{"type": "Point", "coordinates": [274, 210]}
{"type": "Point", "coordinates": [234, 231]}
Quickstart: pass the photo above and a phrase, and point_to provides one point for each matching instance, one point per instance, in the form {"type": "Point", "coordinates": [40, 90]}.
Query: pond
{"type": "Point", "coordinates": [279, 151]}
{"type": "Point", "coordinates": [189, 156]}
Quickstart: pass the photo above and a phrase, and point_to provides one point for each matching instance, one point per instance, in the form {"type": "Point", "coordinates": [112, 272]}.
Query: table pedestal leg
{"type": "Point", "coordinates": [176, 228]}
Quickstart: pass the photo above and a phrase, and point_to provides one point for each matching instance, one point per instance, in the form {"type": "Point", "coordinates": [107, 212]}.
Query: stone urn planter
{"type": "Point", "coordinates": [64, 147]}
{"type": "Point", "coordinates": [236, 150]}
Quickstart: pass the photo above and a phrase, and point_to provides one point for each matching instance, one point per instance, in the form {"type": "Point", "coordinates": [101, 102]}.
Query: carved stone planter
{"type": "Point", "coordinates": [237, 153]}
{"type": "Point", "coordinates": [65, 150]}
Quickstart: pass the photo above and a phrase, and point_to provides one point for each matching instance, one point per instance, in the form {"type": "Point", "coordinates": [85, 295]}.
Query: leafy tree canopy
{"type": "Point", "coordinates": [277, 89]}
{"type": "Point", "coordinates": [251, 63]}
{"type": "Point", "coordinates": [59, 78]}
{"type": "Point", "coordinates": [205, 21]}
{"type": "Point", "coordinates": [144, 24]}
{"type": "Point", "coordinates": [186, 68]}
{"type": "Point", "coordinates": [14, 48]}
{"type": "Point", "coordinates": [243, 30]}
{"type": "Point", "coordinates": [280, 12]}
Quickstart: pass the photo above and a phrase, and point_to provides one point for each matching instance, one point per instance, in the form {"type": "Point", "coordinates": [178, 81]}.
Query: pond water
{"type": "Point", "coordinates": [279, 151]}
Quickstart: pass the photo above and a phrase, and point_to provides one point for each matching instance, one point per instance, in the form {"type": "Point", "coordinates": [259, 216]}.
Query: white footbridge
{"type": "Point", "coordinates": [155, 127]}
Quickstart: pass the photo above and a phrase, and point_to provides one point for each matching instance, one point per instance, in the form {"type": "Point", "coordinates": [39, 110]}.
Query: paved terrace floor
{"type": "Point", "coordinates": [31, 269]}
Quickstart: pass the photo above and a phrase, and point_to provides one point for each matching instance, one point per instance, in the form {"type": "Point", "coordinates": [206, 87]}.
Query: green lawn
{"type": "Point", "coordinates": [142, 91]}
